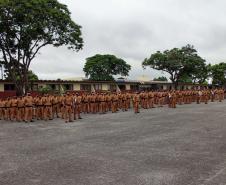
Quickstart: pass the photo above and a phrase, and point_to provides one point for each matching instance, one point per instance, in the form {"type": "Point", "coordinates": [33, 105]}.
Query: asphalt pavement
{"type": "Point", "coordinates": [161, 146]}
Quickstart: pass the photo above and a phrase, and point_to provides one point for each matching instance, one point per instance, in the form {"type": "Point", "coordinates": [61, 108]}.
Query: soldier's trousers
{"type": "Point", "coordinates": [1, 114]}
{"type": "Point", "coordinates": [28, 113]}
{"type": "Point", "coordinates": [136, 107]}
{"type": "Point", "coordinates": [48, 112]}
{"type": "Point", "coordinates": [20, 114]}
{"type": "Point", "coordinates": [114, 107]}
{"type": "Point", "coordinates": [56, 110]}
{"type": "Point", "coordinates": [68, 113]}
{"type": "Point", "coordinates": [39, 112]}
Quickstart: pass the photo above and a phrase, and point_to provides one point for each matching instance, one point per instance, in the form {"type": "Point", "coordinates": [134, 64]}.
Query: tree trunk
{"type": "Point", "coordinates": [19, 88]}
{"type": "Point", "coordinates": [26, 82]}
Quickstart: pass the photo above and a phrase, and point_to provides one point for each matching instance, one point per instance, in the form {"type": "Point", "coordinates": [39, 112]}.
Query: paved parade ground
{"type": "Point", "coordinates": [183, 146]}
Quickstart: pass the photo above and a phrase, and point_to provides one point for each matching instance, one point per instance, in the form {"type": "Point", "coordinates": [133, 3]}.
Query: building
{"type": "Point", "coordinates": [7, 88]}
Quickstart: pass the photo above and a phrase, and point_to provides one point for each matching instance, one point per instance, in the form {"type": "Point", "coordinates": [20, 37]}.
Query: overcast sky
{"type": "Point", "coordinates": [134, 29]}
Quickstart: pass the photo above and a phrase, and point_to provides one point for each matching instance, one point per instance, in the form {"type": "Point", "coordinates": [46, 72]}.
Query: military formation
{"type": "Point", "coordinates": [70, 106]}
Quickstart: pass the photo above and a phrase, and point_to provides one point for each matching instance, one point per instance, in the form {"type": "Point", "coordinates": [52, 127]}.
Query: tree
{"type": "Point", "coordinates": [103, 67]}
{"type": "Point", "coordinates": [217, 73]}
{"type": "Point", "coordinates": [185, 79]}
{"type": "Point", "coordinates": [161, 78]}
{"type": "Point", "coordinates": [178, 62]}
{"type": "Point", "coordinates": [28, 26]}
{"type": "Point", "coordinates": [31, 76]}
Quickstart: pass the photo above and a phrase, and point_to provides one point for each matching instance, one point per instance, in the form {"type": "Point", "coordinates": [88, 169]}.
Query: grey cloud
{"type": "Point", "coordinates": [133, 29]}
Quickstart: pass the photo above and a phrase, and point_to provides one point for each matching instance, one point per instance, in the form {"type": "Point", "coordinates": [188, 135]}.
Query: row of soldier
{"type": "Point", "coordinates": [70, 106]}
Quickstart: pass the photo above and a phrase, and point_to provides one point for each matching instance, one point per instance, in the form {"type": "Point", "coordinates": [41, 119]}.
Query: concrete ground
{"type": "Point", "coordinates": [183, 146]}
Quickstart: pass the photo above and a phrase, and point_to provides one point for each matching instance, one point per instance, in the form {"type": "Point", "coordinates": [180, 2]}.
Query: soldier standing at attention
{"type": "Point", "coordinates": [128, 100]}
{"type": "Point", "coordinates": [39, 108]}
{"type": "Point", "coordinates": [108, 102]}
{"type": "Point", "coordinates": [86, 103]}
{"type": "Point", "coordinates": [47, 102]}
{"type": "Point", "coordinates": [102, 103]}
{"type": "Point", "coordinates": [56, 102]}
{"type": "Point", "coordinates": [7, 108]}
{"type": "Point", "coordinates": [170, 99]}
{"type": "Point", "coordinates": [206, 96]}
{"type": "Point", "coordinates": [141, 99]}
{"type": "Point", "coordinates": [4, 109]}
{"type": "Point", "coordinates": [179, 97]}
{"type": "Point", "coordinates": [20, 109]}
{"type": "Point", "coordinates": [68, 101]}
{"type": "Point", "coordinates": [146, 105]}
{"type": "Point", "coordinates": [13, 109]}
{"type": "Point", "coordinates": [136, 100]}
{"type": "Point", "coordinates": [28, 101]}
{"type": "Point", "coordinates": [212, 94]}
{"type": "Point", "coordinates": [150, 99]}
{"type": "Point", "coordinates": [111, 97]}
{"type": "Point", "coordinates": [77, 101]}
{"type": "Point", "coordinates": [114, 103]}
{"type": "Point", "coordinates": [199, 95]}
{"type": "Point", "coordinates": [174, 99]}
{"type": "Point", "coordinates": [92, 103]}
{"type": "Point", "coordinates": [62, 108]}
{"type": "Point", "coordinates": [124, 102]}
{"type": "Point", "coordinates": [221, 95]}
{"type": "Point", "coordinates": [119, 106]}
{"type": "Point", "coordinates": [97, 102]}
{"type": "Point", "coordinates": [89, 102]}
{"type": "Point", "coordinates": [161, 99]}
{"type": "Point", "coordinates": [2, 105]}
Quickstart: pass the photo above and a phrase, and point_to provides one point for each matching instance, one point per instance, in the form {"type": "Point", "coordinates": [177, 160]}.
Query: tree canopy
{"type": "Point", "coordinates": [218, 73]}
{"type": "Point", "coordinates": [31, 76]}
{"type": "Point", "coordinates": [28, 26]}
{"type": "Point", "coordinates": [103, 67]}
{"type": "Point", "coordinates": [179, 62]}
{"type": "Point", "coordinates": [161, 78]}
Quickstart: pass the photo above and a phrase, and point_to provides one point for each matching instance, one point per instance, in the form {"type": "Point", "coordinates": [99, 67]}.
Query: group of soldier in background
{"type": "Point", "coordinates": [70, 106]}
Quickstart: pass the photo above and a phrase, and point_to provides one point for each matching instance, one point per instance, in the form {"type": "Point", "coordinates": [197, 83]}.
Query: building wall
{"type": "Point", "coordinates": [189, 87]}
{"type": "Point", "coordinates": [76, 87]}
{"type": "Point", "coordinates": [41, 85]}
{"type": "Point", "coordinates": [1, 87]}
{"type": "Point", "coordinates": [105, 87]}
{"type": "Point", "coordinates": [128, 87]}
{"type": "Point", "coordinates": [165, 87]}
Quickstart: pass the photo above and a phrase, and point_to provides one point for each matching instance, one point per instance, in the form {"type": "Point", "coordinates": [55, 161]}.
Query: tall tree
{"type": "Point", "coordinates": [28, 26]}
{"type": "Point", "coordinates": [103, 67]}
{"type": "Point", "coordinates": [31, 76]}
{"type": "Point", "coordinates": [177, 62]}
{"type": "Point", "coordinates": [218, 73]}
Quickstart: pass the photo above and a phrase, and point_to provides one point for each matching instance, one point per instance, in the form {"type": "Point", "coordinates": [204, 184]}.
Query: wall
{"type": "Point", "coordinates": [105, 87]}
{"type": "Point", "coordinates": [41, 84]}
{"type": "Point", "coordinates": [1, 87]}
{"type": "Point", "coordinates": [165, 87]}
{"type": "Point", "coordinates": [128, 87]}
{"type": "Point", "coordinates": [76, 87]}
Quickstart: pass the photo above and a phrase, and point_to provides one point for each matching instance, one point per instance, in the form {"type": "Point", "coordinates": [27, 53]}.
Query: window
{"type": "Point", "coordinates": [112, 87]}
{"type": "Point", "coordinates": [134, 87]}
{"type": "Point", "coordinates": [97, 87]}
{"type": "Point", "coordinates": [68, 87]}
{"type": "Point", "coordinates": [122, 87]}
{"type": "Point", "coordinates": [9, 87]}
{"type": "Point", "coordinates": [85, 87]}
{"type": "Point", "coordinates": [35, 87]}
{"type": "Point", "coordinates": [52, 86]}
